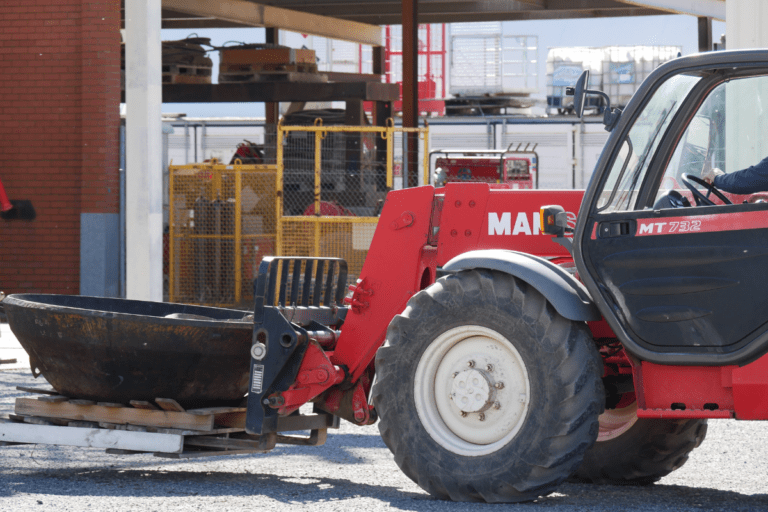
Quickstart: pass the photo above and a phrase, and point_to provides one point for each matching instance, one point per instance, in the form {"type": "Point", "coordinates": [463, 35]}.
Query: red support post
{"type": "Point", "coordinates": [411, 89]}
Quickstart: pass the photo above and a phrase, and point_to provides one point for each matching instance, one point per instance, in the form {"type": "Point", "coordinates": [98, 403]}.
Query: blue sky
{"type": "Point", "coordinates": [649, 30]}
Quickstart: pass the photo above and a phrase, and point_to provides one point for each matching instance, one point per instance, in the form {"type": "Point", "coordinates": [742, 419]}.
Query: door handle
{"type": "Point", "coordinates": [612, 229]}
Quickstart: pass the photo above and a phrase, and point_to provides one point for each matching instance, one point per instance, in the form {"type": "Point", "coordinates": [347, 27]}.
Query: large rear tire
{"type": "Point", "coordinates": [638, 451]}
{"type": "Point", "coordinates": [485, 392]}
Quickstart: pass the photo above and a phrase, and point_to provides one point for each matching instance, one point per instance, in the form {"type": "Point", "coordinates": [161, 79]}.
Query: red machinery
{"type": "Point", "coordinates": [508, 375]}
{"type": "Point", "coordinates": [514, 168]}
{"type": "Point", "coordinates": [15, 209]}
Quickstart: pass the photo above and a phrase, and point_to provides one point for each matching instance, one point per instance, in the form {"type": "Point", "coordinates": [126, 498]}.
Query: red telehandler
{"type": "Point", "coordinates": [499, 363]}
{"type": "Point", "coordinates": [505, 347]}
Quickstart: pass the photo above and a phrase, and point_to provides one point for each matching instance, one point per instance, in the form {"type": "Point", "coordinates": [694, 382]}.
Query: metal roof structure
{"type": "Point", "coordinates": [355, 19]}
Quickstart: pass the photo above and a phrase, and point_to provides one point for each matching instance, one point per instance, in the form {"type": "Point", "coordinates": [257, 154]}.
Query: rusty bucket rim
{"type": "Point", "coordinates": [22, 300]}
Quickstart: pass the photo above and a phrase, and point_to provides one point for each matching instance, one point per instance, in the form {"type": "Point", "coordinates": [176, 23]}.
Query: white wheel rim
{"type": "Point", "coordinates": [614, 422]}
{"type": "Point", "coordinates": [494, 410]}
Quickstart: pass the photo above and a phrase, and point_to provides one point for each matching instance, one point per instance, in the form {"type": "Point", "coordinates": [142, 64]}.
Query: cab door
{"type": "Point", "coordinates": [683, 283]}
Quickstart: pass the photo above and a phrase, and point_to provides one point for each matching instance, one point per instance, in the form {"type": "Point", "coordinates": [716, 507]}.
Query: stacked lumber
{"type": "Point", "coordinates": [162, 427]}
{"type": "Point", "coordinates": [265, 62]}
{"type": "Point", "coordinates": [183, 62]}
{"type": "Point", "coordinates": [186, 61]}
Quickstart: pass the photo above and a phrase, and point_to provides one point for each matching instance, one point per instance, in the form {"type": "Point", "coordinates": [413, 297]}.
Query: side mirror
{"type": "Point", "coordinates": [579, 92]}
{"type": "Point", "coordinates": [554, 220]}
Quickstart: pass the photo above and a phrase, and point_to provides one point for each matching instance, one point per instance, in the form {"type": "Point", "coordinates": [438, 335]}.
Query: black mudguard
{"type": "Point", "coordinates": [568, 296]}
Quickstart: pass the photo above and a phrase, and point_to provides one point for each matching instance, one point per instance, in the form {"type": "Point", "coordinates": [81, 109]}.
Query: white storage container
{"type": "Point", "coordinates": [616, 70]}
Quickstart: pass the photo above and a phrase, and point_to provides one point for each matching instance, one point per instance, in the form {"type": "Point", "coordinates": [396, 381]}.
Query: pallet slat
{"type": "Point", "coordinates": [272, 76]}
{"type": "Point", "coordinates": [91, 437]}
{"type": "Point", "coordinates": [37, 390]}
{"type": "Point", "coordinates": [53, 398]}
{"type": "Point", "coordinates": [122, 415]}
{"type": "Point", "coordinates": [169, 404]}
{"type": "Point", "coordinates": [140, 404]}
{"type": "Point", "coordinates": [215, 410]}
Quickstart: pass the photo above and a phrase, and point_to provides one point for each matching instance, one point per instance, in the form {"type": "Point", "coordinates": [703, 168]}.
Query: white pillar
{"type": "Point", "coordinates": [745, 24]}
{"type": "Point", "coordinates": [143, 142]}
{"type": "Point", "coordinates": [745, 27]}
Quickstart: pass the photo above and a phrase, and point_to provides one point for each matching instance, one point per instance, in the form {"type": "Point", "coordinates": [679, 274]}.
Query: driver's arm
{"type": "Point", "coordinates": [747, 181]}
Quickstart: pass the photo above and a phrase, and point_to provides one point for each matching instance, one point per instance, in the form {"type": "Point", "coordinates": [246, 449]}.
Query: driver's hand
{"type": "Point", "coordinates": [709, 174]}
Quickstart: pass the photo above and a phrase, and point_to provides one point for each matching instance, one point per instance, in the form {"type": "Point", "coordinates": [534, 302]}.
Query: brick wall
{"type": "Point", "coordinates": [59, 118]}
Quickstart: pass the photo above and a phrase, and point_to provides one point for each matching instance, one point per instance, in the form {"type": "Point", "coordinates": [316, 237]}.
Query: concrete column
{"type": "Point", "coordinates": [144, 185]}
{"type": "Point", "coordinates": [745, 27]}
{"type": "Point", "coordinates": [745, 24]}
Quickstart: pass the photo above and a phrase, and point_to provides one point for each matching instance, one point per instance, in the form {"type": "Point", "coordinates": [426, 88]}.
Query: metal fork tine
{"type": "Point", "coordinates": [283, 281]}
{"type": "Point", "coordinates": [318, 282]}
{"type": "Point", "coordinates": [309, 267]}
{"type": "Point", "coordinates": [295, 278]}
{"type": "Point", "coordinates": [272, 283]}
{"type": "Point", "coordinates": [327, 297]}
{"type": "Point", "coordinates": [341, 288]}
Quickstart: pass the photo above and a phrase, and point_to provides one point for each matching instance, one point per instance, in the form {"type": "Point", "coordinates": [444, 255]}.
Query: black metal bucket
{"type": "Point", "coordinates": [116, 350]}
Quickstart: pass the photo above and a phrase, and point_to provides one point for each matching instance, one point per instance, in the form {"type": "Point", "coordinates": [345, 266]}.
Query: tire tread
{"type": "Point", "coordinates": [567, 343]}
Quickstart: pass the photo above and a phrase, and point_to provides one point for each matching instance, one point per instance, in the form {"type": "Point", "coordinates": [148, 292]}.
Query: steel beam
{"type": "Point", "coordinates": [430, 11]}
{"type": "Point", "coordinates": [264, 92]}
{"type": "Point", "coordinates": [174, 19]}
{"type": "Point", "coordinates": [260, 15]}
{"type": "Point", "coordinates": [449, 17]}
{"type": "Point", "coordinates": [701, 8]}
{"type": "Point", "coordinates": [346, 9]}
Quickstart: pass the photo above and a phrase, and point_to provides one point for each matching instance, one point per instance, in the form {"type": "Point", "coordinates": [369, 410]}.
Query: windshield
{"type": "Point", "coordinates": [637, 150]}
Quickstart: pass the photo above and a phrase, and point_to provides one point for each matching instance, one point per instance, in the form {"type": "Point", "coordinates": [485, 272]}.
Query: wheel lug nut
{"type": "Point", "coordinates": [499, 385]}
{"type": "Point", "coordinates": [471, 364]}
{"type": "Point", "coordinates": [482, 416]}
{"type": "Point", "coordinates": [455, 374]}
{"type": "Point", "coordinates": [489, 367]}
{"type": "Point", "coordinates": [463, 414]}
{"type": "Point", "coordinates": [497, 405]}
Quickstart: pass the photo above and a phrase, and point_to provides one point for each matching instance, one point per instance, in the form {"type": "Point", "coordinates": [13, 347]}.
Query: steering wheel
{"type": "Point", "coordinates": [701, 199]}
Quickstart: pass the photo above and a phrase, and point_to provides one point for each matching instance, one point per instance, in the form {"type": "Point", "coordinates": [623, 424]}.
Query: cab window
{"type": "Point", "coordinates": [631, 164]}
{"type": "Point", "coordinates": [727, 132]}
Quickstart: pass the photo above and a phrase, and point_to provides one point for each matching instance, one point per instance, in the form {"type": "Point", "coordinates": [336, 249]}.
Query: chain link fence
{"type": "Point", "coordinates": [321, 199]}
{"type": "Point", "coordinates": [334, 180]}
{"type": "Point", "coordinates": [223, 221]}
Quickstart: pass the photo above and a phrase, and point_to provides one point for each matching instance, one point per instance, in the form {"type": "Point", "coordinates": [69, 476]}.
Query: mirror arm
{"type": "Point", "coordinates": [610, 115]}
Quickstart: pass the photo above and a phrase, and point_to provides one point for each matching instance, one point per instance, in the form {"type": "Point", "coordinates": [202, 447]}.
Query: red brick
{"type": "Point", "coordinates": [59, 95]}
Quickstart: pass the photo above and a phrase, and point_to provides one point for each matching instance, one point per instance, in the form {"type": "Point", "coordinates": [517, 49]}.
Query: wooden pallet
{"type": "Point", "coordinates": [261, 67]}
{"type": "Point", "coordinates": [272, 76]}
{"type": "Point", "coordinates": [186, 74]}
{"type": "Point", "coordinates": [162, 427]}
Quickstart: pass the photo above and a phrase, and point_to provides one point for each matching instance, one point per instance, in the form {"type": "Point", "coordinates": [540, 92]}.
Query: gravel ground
{"type": "Point", "coordinates": [352, 471]}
